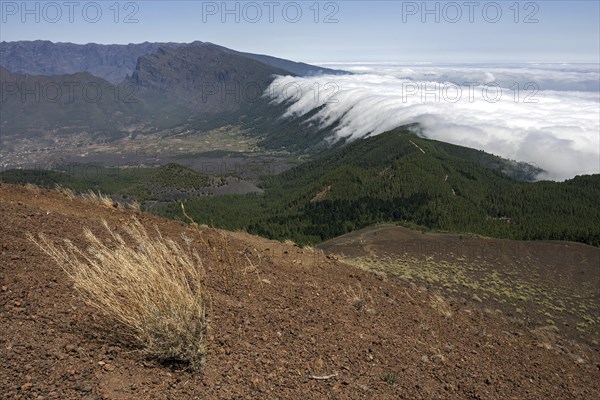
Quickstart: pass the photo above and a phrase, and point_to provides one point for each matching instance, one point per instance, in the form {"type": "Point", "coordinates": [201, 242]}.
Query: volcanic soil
{"type": "Point", "coordinates": [285, 322]}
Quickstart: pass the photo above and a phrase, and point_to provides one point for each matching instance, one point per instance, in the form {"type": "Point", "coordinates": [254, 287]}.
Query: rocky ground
{"type": "Point", "coordinates": [285, 323]}
{"type": "Point", "coordinates": [550, 287]}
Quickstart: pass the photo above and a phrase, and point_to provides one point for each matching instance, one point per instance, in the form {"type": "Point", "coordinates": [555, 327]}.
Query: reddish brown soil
{"type": "Point", "coordinates": [270, 331]}
{"type": "Point", "coordinates": [566, 275]}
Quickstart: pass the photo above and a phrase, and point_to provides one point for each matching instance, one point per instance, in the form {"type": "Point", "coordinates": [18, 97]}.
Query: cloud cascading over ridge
{"type": "Point", "coordinates": [548, 115]}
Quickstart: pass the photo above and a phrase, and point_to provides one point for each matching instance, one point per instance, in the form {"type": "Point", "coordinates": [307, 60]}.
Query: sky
{"type": "Point", "coordinates": [328, 31]}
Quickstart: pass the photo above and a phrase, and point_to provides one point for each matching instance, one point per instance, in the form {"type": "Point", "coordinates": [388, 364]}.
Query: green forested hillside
{"type": "Point", "coordinates": [399, 177]}
{"type": "Point", "coordinates": [147, 184]}
{"type": "Point", "coordinates": [396, 177]}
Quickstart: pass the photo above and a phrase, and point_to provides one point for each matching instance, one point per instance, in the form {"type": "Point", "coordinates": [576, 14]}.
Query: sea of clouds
{"type": "Point", "coordinates": [544, 114]}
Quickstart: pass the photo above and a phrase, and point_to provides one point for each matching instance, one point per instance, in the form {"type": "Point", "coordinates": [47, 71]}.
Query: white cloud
{"type": "Point", "coordinates": [557, 129]}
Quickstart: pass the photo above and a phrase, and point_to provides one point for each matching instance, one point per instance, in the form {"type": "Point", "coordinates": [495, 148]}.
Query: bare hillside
{"type": "Point", "coordinates": [285, 323]}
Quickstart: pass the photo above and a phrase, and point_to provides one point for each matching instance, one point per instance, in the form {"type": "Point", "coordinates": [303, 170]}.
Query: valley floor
{"type": "Point", "coordinates": [281, 317]}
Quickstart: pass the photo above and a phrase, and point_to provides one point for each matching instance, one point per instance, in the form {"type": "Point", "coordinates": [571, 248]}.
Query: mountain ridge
{"type": "Point", "coordinates": [166, 90]}
{"type": "Point", "coordinates": [112, 62]}
{"type": "Point", "coordinates": [205, 79]}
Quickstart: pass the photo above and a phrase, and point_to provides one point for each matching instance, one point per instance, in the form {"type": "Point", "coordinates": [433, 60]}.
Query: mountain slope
{"type": "Point", "coordinates": [295, 68]}
{"type": "Point", "coordinates": [41, 57]}
{"type": "Point", "coordinates": [112, 62]}
{"type": "Point", "coordinates": [77, 102]}
{"type": "Point", "coordinates": [206, 80]}
{"type": "Point", "coordinates": [400, 177]}
{"type": "Point", "coordinates": [166, 89]}
{"type": "Point", "coordinates": [552, 285]}
{"type": "Point", "coordinates": [81, 108]}
{"type": "Point", "coordinates": [294, 324]}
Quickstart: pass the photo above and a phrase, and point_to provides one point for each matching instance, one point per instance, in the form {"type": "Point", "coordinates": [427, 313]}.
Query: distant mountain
{"type": "Point", "coordinates": [41, 57]}
{"type": "Point", "coordinates": [199, 87]}
{"type": "Point", "coordinates": [112, 62]}
{"type": "Point", "coordinates": [296, 68]}
{"type": "Point", "coordinates": [80, 102]}
{"type": "Point", "coordinates": [146, 88]}
{"type": "Point", "coordinates": [204, 79]}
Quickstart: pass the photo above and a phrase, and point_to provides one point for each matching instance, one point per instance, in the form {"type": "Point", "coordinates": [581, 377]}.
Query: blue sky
{"type": "Point", "coordinates": [341, 31]}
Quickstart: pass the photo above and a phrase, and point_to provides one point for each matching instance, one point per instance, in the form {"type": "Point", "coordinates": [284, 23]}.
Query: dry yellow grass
{"type": "Point", "coordinates": [69, 193]}
{"type": "Point", "coordinates": [99, 198]}
{"type": "Point", "coordinates": [439, 304]}
{"type": "Point", "coordinates": [33, 188]}
{"type": "Point", "coordinates": [150, 284]}
{"type": "Point", "coordinates": [133, 205]}
{"type": "Point", "coordinates": [356, 297]}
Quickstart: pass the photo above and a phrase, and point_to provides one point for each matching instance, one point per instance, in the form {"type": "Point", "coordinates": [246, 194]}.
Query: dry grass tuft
{"type": "Point", "coordinates": [134, 205]}
{"type": "Point", "coordinates": [69, 193]}
{"type": "Point", "coordinates": [100, 198]}
{"type": "Point", "coordinates": [33, 188]}
{"type": "Point", "coordinates": [152, 286]}
{"type": "Point", "coordinates": [439, 304]}
{"type": "Point", "coordinates": [356, 297]}
{"type": "Point", "coordinates": [359, 299]}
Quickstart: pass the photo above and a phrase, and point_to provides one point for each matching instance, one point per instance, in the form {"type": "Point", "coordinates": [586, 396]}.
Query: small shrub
{"type": "Point", "coordinates": [152, 286]}
{"type": "Point", "coordinates": [390, 378]}
{"type": "Point", "coordinates": [356, 297]}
